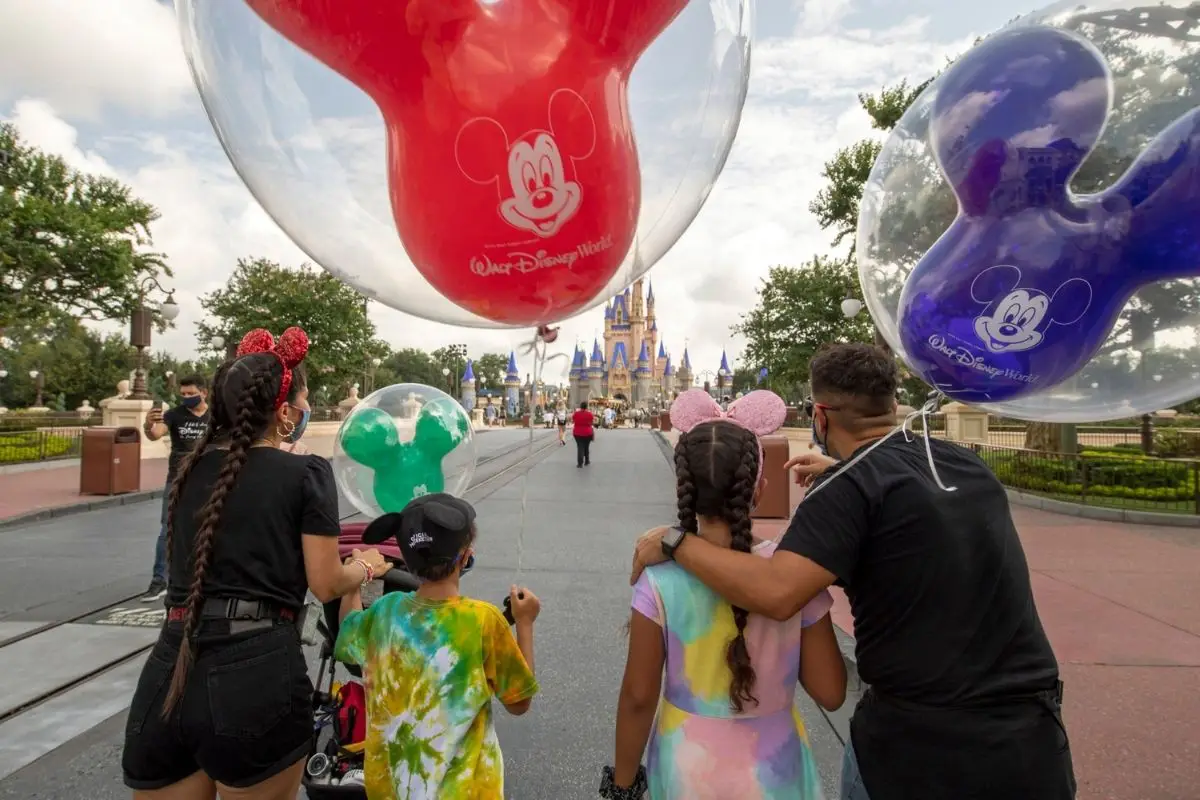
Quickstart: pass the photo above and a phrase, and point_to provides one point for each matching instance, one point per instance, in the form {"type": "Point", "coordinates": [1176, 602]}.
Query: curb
{"type": "Point", "coordinates": [1128, 516]}
{"type": "Point", "coordinates": [854, 684]}
{"type": "Point", "coordinates": [80, 508]}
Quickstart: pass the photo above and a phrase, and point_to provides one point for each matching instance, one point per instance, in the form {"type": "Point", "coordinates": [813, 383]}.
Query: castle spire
{"type": "Point", "coordinates": [469, 374]}
{"type": "Point", "coordinates": [725, 364]}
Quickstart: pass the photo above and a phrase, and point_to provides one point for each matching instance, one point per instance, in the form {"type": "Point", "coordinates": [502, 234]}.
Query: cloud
{"type": "Point", "coordinates": [85, 58]}
{"type": "Point", "coordinates": [105, 85]}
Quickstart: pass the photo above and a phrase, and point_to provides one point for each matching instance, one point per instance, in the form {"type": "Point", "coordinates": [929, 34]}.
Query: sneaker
{"type": "Point", "coordinates": [156, 592]}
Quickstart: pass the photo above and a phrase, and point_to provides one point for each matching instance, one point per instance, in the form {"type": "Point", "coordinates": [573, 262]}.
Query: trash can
{"type": "Point", "coordinates": [110, 461]}
{"type": "Point", "coordinates": [775, 500]}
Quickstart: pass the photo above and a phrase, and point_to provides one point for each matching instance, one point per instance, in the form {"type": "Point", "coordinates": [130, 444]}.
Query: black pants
{"type": "Point", "coordinates": [245, 715]}
{"type": "Point", "coordinates": [583, 447]}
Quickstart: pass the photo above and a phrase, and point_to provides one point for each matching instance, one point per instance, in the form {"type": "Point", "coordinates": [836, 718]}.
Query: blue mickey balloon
{"type": "Point", "coordinates": [1025, 286]}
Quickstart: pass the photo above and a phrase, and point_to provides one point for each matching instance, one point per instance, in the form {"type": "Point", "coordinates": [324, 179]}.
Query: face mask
{"type": "Point", "coordinates": [190, 402]}
{"type": "Point", "coordinates": [298, 430]}
{"type": "Point", "coordinates": [816, 439]}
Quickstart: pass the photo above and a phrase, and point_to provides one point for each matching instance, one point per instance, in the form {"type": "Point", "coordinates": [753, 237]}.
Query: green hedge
{"type": "Point", "coordinates": [25, 446]}
{"type": "Point", "coordinates": [1095, 473]}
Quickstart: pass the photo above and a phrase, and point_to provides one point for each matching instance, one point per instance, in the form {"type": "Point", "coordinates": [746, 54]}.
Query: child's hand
{"type": "Point", "coordinates": [524, 603]}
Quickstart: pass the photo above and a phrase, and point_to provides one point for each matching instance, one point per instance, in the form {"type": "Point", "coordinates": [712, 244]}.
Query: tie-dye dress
{"type": "Point", "coordinates": [431, 669]}
{"type": "Point", "coordinates": [700, 748]}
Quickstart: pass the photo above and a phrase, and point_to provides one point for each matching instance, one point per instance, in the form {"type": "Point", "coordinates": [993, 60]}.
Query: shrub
{"type": "Point", "coordinates": [25, 446]}
{"type": "Point", "coordinates": [1100, 473]}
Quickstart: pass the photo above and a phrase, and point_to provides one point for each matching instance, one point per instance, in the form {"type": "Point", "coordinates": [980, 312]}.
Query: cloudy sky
{"type": "Point", "coordinates": [104, 83]}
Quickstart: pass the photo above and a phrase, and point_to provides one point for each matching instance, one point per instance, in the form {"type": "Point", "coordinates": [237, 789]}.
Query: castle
{"type": "Point", "coordinates": [611, 372]}
{"type": "Point", "coordinates": [633, 365]}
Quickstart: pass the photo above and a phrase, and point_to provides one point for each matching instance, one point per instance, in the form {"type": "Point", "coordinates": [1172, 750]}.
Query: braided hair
{"type": "Point", "coordinates": [716, 470]}
{"type": "Point", "coordinates": [243, 405]}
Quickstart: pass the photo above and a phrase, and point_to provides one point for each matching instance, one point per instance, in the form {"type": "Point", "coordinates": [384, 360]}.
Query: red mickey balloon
{"type": "Point", "coordinates": [512, 168]}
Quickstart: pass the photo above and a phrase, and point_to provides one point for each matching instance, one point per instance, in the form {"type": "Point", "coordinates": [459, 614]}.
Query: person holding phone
{"type": "Point", "coordinates": [186, 424]}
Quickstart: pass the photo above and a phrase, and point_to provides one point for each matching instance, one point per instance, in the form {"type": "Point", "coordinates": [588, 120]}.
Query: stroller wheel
{"type": "Point", "coordinates": [318, 765]}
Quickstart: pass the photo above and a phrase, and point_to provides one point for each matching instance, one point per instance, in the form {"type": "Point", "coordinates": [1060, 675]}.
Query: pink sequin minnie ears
{"type": "Point", "coordinates": [760, 412]}
{"type": "Point", "coordinates": [291, 349]}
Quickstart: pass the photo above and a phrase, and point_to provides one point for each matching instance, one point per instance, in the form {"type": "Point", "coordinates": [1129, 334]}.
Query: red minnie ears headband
{"type": "Point", "coordinates": [290, 350]}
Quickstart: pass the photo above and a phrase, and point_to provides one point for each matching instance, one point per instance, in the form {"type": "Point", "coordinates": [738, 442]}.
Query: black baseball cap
{"type": "Point", "coordinates": [432, 529]}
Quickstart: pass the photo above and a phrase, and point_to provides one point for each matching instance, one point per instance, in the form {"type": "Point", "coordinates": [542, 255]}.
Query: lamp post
{"type": "Point", "coordinates": [722, 374]}
{"type": "Point", "coordinates": [449, 383]}
{"type": "Point", "coordinates": [140, 328]}
{"type": "Point", "coordinates": [375, 362]}
{"type": "Point", "coordinates": [170, 375]}
{"type": "Point", "coordinates": [39, 383]}
{"type": "Point", "coordinates": [851, 307]}
{"type": "Point", "coordinates": [3, 375]}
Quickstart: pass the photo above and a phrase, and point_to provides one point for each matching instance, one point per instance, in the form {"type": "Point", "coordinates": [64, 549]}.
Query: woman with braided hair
{"type": "Point", "coordinates": [721, 681]}
{"type": "Point", "coordinates": [224, 702]}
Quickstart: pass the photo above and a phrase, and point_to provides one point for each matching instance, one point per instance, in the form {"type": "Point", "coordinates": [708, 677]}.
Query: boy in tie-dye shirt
{"type": "Point", "coordinates": [432, 662]}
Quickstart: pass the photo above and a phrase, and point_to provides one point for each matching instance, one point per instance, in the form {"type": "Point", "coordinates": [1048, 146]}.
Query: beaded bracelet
{"type": "Point", "coordinates": [610, 791]}
{"type": "Point", "coordinates": [370, 573]}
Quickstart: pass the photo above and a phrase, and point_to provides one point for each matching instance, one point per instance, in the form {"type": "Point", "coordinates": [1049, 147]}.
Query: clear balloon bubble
{"type": "Point", "coordinates": [1029, 237]}
{"type": "Point", "coordinates": [400, 442]}
{"type": "Point", "coordinates": [475, 163]}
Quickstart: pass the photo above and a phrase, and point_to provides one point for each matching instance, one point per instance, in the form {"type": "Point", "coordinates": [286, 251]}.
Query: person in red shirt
{"type": "Point", "coordinates": [584, 433]}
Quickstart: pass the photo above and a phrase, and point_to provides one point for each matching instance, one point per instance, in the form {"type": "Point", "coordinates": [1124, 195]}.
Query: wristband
{"type": "Point", "coordinates": [609, 789]}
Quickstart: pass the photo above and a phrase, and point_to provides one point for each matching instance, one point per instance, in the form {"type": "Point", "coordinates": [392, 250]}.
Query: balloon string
{"type": "Point", "coordinates": [930, 407]}
{"type": "Point", "coordinates": [538, 347]}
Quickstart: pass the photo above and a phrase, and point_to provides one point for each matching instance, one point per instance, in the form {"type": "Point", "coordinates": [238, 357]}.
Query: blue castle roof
{"type": "Point", "coordinates": [619, 358]}
{"type": "Point", "coordinates": [670, 368]}
{"type": "Point", "coordinates": [662, 351]}
{"type": "Point", "coordinates": [643, 366]}
{"type": "Point", "coordinates": [597, 354]}
{"type": "Point", "coordinates": [469, 374]}
{"type": "Point", "coordinates": [725, 364]}
{"type": "Point", "coordinates": [687, 361]}
{"type": "Point", "coordinates": [512, 364]}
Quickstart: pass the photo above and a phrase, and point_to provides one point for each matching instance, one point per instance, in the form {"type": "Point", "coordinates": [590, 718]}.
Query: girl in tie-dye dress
{"type": "Point", "coordinates": [710, 686]}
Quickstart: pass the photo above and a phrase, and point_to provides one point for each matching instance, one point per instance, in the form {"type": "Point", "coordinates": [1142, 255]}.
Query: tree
{"type": "Point", "coordinates": [74, 361]}
{"type": "Point", "coordinates": [263, 294]}
{"type": "Point", "coordinates": [492, 367]}
{"type": "Point", "coordinates": [411, 365]}
{"type": "Point", "coordinates": [798, 310]}
{"type": "Point", "coordinates": [70, 243]}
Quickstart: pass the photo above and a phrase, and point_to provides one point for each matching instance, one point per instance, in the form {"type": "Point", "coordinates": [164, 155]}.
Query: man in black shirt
{"type": "Point", "coordinates": [964, 696]}
{"type": "Point", "coordinates": [185, 424]}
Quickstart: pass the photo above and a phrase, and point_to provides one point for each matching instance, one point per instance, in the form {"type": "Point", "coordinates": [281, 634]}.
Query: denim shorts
{"type": "Point", "coordinates": [852, 782]}
{"type": "Point", "coordinates": [245, 715]}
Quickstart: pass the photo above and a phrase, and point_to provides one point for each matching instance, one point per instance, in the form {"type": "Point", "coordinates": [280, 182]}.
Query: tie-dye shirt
{"type": "Point", "coordinates": [431, 669]}
{"type": "Point", "coordinates": [701, 749]}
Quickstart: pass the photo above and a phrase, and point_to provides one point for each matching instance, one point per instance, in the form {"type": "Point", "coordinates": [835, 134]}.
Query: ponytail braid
{"type": "Point", "coordinates": [251, 418]}
{"type": "Point", "coordinates": [741, 495]}
{"type": "Point", "coordinates": [716, 472]}
{"type": "Point", "coordinates": [185, 466]}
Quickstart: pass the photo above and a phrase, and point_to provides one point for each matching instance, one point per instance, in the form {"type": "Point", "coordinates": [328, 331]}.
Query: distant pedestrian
{"type": "Point", "coordinates": [584, 432]}
{"type": "Point", "coordinates": [186, 424]}
{"type": "Point", "coordinates": [560, 417]}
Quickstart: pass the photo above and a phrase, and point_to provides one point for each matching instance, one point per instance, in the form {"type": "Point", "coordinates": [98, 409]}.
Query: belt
{"type": "Point", "coordinates": [235, 611]}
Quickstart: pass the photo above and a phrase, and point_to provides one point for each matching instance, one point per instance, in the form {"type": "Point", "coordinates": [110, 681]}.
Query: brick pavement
{"type": "Point", "coordinates": [49, 486]}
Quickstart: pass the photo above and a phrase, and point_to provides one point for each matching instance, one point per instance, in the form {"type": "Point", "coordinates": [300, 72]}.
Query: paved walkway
{"type": "Point", "coordinates": [573, 549]}
{"type": "Point", "coordinates": [39, 487]}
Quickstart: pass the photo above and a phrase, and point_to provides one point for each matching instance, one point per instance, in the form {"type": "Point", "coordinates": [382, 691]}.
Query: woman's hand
{"type": "Point", "coordinates": [809, 465]}
{"type": "Point", "coordinates": [372, 558]}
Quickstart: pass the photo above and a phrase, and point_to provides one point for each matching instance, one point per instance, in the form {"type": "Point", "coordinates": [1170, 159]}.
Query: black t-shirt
{"type": "Point", "coordinates": [256, 555]}
{"type": "Point", "coordinates": [184, 428]}
{"type": "Point", "coordinates": [944, 614]}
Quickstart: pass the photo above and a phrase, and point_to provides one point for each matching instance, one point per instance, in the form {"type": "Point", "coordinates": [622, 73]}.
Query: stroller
{"type": "Point", "coordinates": [335, 763]}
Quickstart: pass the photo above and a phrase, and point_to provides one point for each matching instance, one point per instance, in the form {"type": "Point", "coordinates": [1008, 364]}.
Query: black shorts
{"type": "Point", "coordinates": [245, 715]}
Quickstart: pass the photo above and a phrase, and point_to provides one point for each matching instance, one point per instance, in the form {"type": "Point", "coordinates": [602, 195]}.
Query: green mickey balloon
{"type": "Point", "coordinates": [404, 470]}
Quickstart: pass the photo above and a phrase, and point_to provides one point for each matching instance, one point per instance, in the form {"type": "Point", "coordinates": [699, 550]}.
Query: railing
{"type": "Point", "coordinates": [43, 444]}
{"type": "Point", "coordinates": [1098, 478]}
